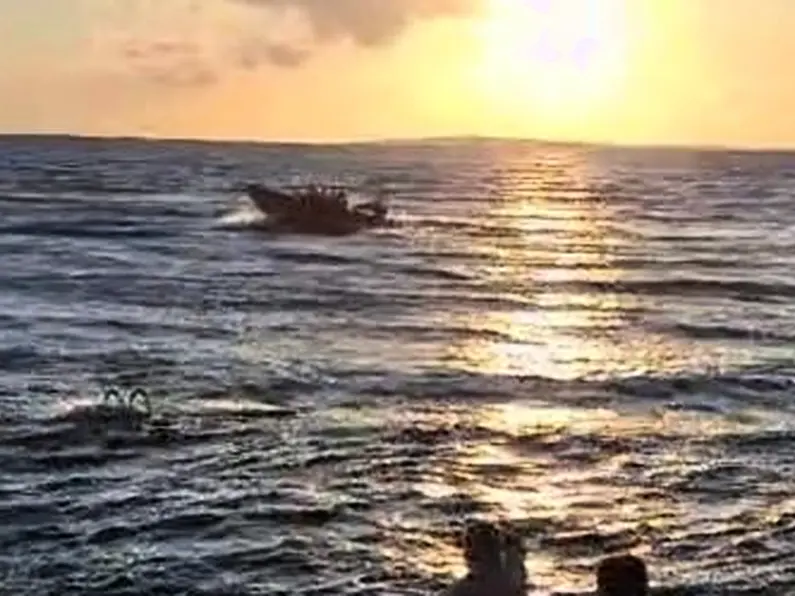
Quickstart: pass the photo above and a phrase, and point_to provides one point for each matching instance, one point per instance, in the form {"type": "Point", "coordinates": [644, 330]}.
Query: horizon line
{"type": "Point", "coordinates": [409, 140]}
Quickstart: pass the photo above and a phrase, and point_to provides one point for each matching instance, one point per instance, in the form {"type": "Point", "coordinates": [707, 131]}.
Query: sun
{"type": "Point", "coordinates": [555, 61]}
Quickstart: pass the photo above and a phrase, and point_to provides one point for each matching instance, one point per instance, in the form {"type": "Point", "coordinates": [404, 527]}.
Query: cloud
{"type": "Point", "coordinates": [368, 23]}
{"type": "Point", "coordinates": [174, 54]}
{"type": "Point", "coordinates": [169, 62]}
{"type": "Point", "coordinates": [253, 53]}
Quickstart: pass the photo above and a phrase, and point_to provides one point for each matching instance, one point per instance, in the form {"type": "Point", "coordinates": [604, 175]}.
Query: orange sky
{"type": "Point", "coordinates": [701, 72]}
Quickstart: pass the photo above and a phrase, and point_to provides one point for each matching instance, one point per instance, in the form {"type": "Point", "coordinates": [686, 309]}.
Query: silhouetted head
{"type": "Point", "coordinates": [482, 546]}
{"type": "Point", "coordinates": [112, 397]}
{"type": "Point", "coordinates": [622, 575]}
{"type": "Point", "coordinates": [139, 395]}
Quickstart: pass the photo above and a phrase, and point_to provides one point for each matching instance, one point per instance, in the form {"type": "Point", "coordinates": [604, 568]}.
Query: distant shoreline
{"type": "Point", "coordinates": [386, 142]}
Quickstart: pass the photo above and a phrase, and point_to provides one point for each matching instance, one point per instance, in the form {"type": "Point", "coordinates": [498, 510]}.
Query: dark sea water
{"type": "Point", "coordinates": [593, 343]}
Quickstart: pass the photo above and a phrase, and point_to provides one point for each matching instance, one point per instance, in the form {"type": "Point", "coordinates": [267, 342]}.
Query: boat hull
{"type": "Point", "coordinates": [286, 213]}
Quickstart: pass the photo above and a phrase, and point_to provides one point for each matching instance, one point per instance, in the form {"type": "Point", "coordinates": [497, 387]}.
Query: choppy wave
{"type": "Point", "coordinates": [590, 342]}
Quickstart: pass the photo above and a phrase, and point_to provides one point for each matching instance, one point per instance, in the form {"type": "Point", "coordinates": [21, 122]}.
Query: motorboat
{"type": "Point", "coordinates": [317, 210]}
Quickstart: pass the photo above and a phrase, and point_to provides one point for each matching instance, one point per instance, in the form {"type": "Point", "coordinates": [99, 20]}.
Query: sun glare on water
{"type": "Point", "coordinates": [553, 61]}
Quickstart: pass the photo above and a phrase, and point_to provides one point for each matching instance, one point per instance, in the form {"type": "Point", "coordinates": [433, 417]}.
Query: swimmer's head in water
{"type": "Point", "coordinates": [623, 575]}
{"type": "Point", "coordinates": [482, 544]}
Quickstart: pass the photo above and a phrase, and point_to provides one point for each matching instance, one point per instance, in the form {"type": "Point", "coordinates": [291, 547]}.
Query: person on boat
{"type": "Point", "coordinates": [339, 200]}
{"type": "Point", "coordinates": [379, 206]}
{"type": "Point", "coordinates": [310, 199]}
{"type": "Point", "coordinates": [323, 202]}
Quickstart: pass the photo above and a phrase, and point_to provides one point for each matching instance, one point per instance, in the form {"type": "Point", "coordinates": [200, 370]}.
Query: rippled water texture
{"type": "Point", "coordinates": [593, 343]}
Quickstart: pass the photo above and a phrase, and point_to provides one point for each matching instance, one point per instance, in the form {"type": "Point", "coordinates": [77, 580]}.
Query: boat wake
{"type": "Point", "coordinates": [244, 216]}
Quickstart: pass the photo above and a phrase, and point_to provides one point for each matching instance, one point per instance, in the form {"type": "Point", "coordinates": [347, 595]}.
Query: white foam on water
{"type": "Point", "coordinates": [243, 216]}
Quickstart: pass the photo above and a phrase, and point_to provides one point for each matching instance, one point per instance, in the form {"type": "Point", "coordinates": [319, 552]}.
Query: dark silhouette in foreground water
{"type": "Point", "coordinates": [495, 555]}
{"type": "Point", "coordinates": [622, 575]}
{"type": "Point", "coordinates": [495, 562]}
